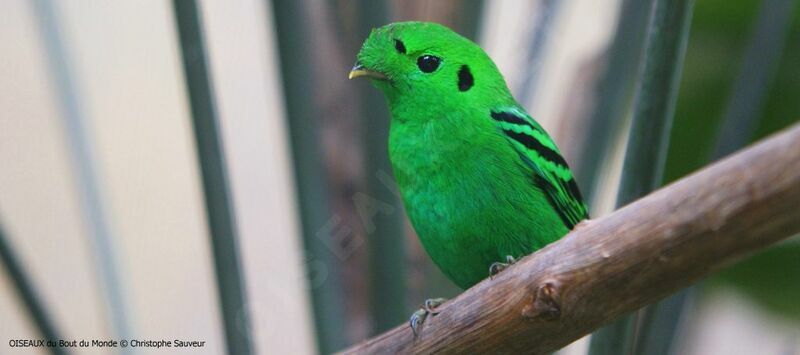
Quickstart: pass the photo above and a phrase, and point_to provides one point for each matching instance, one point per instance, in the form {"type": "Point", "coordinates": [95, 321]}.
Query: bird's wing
{"type": "Point", "coordinates": [539, 152]}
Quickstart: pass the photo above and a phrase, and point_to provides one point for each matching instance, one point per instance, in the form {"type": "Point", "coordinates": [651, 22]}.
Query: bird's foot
{"type": "Point", "coordinates": [428, 308]}
{"type": "Point", "coordinates": [496, 268]}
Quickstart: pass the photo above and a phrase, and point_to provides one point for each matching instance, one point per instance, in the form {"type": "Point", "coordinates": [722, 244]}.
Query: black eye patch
{"type": "Point", "coordinates": [465, 79]}
{"type": "Point", "coordinates": [399, 46]}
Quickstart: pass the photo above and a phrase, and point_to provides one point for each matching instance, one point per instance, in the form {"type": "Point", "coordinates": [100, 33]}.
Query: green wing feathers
{"type": "Point", "coordinates": [551, 173]}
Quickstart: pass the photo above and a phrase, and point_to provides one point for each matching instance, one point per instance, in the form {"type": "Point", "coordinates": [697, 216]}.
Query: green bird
{"type": "Point", "coordinates": [481, 181]}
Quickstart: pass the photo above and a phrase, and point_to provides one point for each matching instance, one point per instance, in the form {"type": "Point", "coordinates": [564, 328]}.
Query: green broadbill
{"type": "Point", "coordinates": [480, 179]}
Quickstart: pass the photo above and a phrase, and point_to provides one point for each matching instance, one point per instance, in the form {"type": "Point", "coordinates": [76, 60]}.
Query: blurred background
{"type": "Point", "coordinates": [205, 171]}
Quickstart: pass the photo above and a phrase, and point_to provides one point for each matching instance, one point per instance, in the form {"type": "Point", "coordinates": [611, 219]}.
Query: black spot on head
{"type": "Point", "coordinates": [399, 46]}
{"type": "Point", "coordinates": [465, 79]}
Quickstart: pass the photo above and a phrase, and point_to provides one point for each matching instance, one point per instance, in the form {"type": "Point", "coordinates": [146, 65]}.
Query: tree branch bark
{"type": "Point", "coordinates": [621, 262]}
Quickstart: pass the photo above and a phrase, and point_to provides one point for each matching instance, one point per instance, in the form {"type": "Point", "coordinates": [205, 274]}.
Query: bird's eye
{"type": "Point", "coordinates": [399, 46]}
{"type": "Point", "coordinates": [428, 63]}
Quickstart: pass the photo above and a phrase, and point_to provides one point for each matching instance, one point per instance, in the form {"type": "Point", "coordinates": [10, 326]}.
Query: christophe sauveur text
{"type": "Point", "coordinates": [134, 343]}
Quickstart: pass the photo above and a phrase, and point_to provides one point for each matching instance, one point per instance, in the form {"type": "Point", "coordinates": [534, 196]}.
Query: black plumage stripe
{"type": "Point", "coordinates": [531, 142]}
{"type": "Point", "coordinates": [562, 194]}
{"type": "Point", "coordinates": [575, 192]}
{"type": "Point", "coordinates": [550, 192]}
{"type": "Point", "coordinates": [575, 215]}
{"type": "Point", "coordinates": [511, 118]}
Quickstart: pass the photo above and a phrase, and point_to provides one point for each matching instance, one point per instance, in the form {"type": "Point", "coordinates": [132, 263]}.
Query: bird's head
{"type": "Point", "coordinates": [427, 63]}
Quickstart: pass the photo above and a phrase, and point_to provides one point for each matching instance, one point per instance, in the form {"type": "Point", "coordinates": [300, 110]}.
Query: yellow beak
{"type": "Point", "coordinates": [359, 70]}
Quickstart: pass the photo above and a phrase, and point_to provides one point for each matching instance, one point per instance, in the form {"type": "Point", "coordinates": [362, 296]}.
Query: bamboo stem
{"type": "Point", "coordinates": [319, 226]}
{"type": "Point", "coordinates": [40, 315]}
{"type": "Point", "coordinates": [656, 334]}
{"type": "Point", "coordinates": [387, 235]}
{"type": "Point", "coordinates": [211, 157]}
{"type": "Point", "coordinates": [613, 93]}
{"type": "Point", "coordinates": [89, 182]}
{"type": "Point", "coordinates": [646, 154]}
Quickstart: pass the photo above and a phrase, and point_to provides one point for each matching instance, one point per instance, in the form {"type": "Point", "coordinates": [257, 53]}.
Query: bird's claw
{"type": "Point", "coordinates": [432, 304]}
{"type": "Point", "coordinates": [497, 267]}
{"type": "Point", "coordinates": [428, 308]}
{"type": "Point", "coordinates": [416, 320]}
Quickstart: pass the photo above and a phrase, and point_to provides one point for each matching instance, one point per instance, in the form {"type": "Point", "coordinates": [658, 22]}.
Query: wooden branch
{"type": "Point", "coordinates": [619, 263]}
